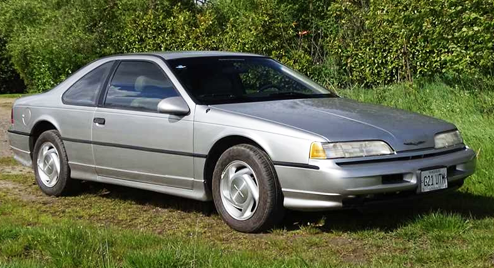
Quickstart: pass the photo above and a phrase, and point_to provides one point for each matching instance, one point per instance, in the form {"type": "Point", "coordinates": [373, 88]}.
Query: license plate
{"type": "Point", "coordinates": [434, 179]}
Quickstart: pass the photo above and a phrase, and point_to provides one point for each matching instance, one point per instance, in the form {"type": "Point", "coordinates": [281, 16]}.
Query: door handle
{"type": "Point", "coordinates": [99, 120]}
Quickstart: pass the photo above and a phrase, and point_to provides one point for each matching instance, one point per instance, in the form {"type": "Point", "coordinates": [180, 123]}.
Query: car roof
{"type": "Point", "coordinates": [194, 54]}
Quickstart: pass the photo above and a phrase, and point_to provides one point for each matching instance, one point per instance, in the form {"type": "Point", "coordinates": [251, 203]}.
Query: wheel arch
{"type": "Point", "coordinates": [218, 148]}
{"type": "Point", "coordinates": [38, 128]}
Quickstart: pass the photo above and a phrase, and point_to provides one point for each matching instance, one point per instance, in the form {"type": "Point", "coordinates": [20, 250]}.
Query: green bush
{"type": "Point", "coordinates": [395, 40]}
{"type": "Point", "coordinates": [339, 43]}
{"type": "Point", "coordinates": [167, 27]}
{"type": "Point", "coordinates": [47, 40]}
{"type": "Point", "coordinates": [262, 27]}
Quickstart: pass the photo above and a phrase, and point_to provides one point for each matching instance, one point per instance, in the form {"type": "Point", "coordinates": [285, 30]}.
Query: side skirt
{"type": "Point", "coordinates": [198, 192]}
{"type": "Point", "coordinates": [87, 173]}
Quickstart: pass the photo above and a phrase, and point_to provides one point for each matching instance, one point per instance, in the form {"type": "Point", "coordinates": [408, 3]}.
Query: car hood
{"type": "Point", "coordinates": [340, 119]}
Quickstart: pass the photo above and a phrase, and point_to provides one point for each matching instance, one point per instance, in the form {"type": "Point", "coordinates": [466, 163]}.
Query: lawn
{"type": "Point", "coordinates": [12, 95]}
{"type": "Point", "coordinates": [109, 226]}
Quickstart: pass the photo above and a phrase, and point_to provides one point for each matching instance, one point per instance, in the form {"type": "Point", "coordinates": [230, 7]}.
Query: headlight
{"type": "Point", "coordinates": [447, 139]}
{"type": "Point", "coordinates": [349, 149]}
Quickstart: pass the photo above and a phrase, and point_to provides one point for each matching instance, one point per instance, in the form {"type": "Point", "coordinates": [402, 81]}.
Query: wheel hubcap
{"type": "Point", "coordinates": [239, 190]}
{"type": "Point", "coordinates": [48, 164]}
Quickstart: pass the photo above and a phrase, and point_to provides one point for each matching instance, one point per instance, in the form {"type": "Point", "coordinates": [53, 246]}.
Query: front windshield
{"type": "Point", "coordinates": [213, 80]}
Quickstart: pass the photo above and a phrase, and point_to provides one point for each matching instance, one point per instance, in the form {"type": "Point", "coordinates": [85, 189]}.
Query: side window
{"type": "Point", "coordinates": [139, 85]}
{"type": "Point", "coordinates": [85, 90]}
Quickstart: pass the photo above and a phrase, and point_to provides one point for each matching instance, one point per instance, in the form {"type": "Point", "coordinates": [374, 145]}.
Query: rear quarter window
{"type": "Point", "coordinates": [85, 91]}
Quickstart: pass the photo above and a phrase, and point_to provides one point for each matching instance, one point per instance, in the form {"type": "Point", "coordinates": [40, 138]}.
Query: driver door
{"type": "Point", "coordinates": [131, 140]}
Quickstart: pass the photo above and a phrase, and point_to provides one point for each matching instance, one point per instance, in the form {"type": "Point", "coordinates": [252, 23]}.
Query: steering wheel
{"type": "Point", "coordinates": [268, 86]}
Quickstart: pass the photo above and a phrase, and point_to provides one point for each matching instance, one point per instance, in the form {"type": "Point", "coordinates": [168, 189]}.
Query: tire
{"type": "Point", "coordinates": [235, 199]}
{"type": "Point", "coordinates": [52, 179]}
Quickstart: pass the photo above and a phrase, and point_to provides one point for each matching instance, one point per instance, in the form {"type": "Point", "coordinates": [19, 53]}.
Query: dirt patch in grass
{"type": "Point", "coordinates": [351, 251]}
{"type": "Point", "coordinates": [14, 170]}
{"type": "Point", "coordinates": [355, 256]}
{"type": "Point", "coordinates": [9, 166]}
{"type": "Point", "coordinates": [7, 102]}
{"type": "Point", "coordinates": [5, 107]}
{"type": "Point", "coordinates": [20, 192]}
{"type": "Point", "coordinates": [340, 241]}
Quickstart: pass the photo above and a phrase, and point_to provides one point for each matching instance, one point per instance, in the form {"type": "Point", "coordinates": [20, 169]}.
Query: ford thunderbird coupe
{"type": "Point", "coordinates": [239, 129]}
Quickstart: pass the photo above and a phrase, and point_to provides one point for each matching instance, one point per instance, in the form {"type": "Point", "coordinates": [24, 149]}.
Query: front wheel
{"type": "Point", "coordinates": [246, 191]}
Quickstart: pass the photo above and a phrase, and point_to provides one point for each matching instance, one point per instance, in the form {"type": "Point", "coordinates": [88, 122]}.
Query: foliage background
{"type": "Point", "coordinates": [444, 47]}
{"type": "Point", "coordinates": [339, 43]}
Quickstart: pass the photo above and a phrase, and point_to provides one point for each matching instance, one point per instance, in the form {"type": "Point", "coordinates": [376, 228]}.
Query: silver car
{"type": "Point", "coordinates": [240, 129]}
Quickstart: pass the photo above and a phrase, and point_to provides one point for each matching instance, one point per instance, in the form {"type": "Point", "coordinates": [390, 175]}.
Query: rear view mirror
{"type": "Point", "coordinates": [173, 105]}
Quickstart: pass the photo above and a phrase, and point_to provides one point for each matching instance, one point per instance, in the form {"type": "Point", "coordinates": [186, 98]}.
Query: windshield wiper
{"type": "Point", "coordinates": [222, 97]}
{"type": "Point", "coordinates": [288, 93]}
{"type": "Point", "coordinates": [219, 95]}
{"type": "Point", "coordinates": [298, 95]}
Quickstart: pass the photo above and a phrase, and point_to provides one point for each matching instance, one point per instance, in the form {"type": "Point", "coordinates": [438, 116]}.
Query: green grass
{"type": "Point", "coordinates": [13, 95]}
{"type": "Point", "coordinates": [109, 226]}
{"type": "Point", "coordinates": [8, 161]}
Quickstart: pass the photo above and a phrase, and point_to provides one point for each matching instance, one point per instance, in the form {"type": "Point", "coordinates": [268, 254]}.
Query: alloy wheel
{"type": "Point", "coordinates": [239, 189]}
{"type": "Point", "coordinates": [48, 164]}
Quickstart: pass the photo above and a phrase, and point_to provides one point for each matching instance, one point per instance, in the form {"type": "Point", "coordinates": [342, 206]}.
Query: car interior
{"type": "Point", "coordinates": [142, 92]}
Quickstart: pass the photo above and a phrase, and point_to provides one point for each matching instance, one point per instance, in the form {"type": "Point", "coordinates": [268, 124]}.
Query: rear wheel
{"type": "Point", "coordinates": [246, 191]}
{"type": "Point", "coordinates": [51, 166]}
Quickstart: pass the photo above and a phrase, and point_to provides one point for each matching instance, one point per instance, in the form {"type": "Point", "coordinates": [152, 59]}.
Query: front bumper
{"type": "Point", "coordinates": [351, 182]}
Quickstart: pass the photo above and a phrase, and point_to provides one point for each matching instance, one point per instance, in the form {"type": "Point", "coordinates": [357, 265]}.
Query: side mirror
{"type": "Point", "coordinates": [173, 105]}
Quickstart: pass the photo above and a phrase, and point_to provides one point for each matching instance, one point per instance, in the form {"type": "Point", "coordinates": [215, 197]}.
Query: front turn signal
{"type": "Point", "coordinates": [317, 151]}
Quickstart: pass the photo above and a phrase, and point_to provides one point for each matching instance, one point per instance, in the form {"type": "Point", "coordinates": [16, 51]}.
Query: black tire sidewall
{"type": "Point", "coordinates": [269, 208]}
{"type": "Point", "coordinates": [62, 185]}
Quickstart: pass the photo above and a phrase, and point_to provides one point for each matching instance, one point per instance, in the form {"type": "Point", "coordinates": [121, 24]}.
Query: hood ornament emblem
{"type": "Point", "coordinates": [414, 142]}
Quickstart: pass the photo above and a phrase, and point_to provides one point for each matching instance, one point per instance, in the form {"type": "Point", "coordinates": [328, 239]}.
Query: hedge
{"type": "Point", "coordinates": [338, 42]}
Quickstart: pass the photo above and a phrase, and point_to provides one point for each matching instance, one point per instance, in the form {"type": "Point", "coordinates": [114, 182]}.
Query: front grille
{"type": "Point", "coordinates": [398, 158]}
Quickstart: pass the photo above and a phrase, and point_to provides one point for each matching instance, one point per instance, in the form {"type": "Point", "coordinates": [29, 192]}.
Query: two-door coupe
{"type": "Point", "coordinates": [240, 129]}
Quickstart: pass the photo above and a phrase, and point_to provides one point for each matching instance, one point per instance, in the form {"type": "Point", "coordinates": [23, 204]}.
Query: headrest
{"type": "Point", "coordinates": [144, 81]}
